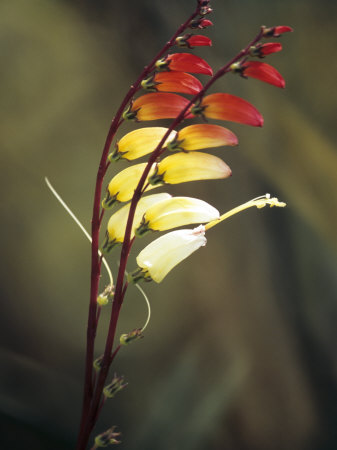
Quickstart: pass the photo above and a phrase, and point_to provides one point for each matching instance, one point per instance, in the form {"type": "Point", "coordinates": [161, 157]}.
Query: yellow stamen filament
{"type": "Point", "coordinates": [259, 202]}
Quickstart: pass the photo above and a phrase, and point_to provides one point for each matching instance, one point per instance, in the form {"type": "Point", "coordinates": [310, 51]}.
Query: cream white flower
{"type": "Point", "coordinates": [164, 253]}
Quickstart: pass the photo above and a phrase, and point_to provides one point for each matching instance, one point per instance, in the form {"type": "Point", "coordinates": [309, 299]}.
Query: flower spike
{"type": "Point", "coordinates": [200, 136]}
{"type": "Point", "coordinates": [161, 255]}
{"type": "Point", "coordinates": [140, 142]}
{"type": "Point", "coordinates": [184, 62]}
{"type": "Point", "coordinates": [183, 167]}
{"type": "Point", "coordinates": [193, 40]}
{"type": "Point", "coordinates": [259, 70]}
{"type": "Point", "coordinates": [173, 82]}
{"type": "Point", "coordinates": [228, 107]}
{"type": "Point", "coordinates": [156, 106]}
{"type": "Point", "coordinates": [175, 212]}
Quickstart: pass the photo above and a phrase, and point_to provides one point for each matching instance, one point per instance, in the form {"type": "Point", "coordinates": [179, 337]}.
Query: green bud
{"type": "Point", "coordinates": [117, 384]}
{"type": "Point", "coordinates": [134, 335]}
{"type": "Point", "coordinates": [109, 437]}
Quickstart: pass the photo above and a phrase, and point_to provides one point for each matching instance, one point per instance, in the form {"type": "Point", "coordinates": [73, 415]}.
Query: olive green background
{"type": "Point", "coordinates": [240, 353]}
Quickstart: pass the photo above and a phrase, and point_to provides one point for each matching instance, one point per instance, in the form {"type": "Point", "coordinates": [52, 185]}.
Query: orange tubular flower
{"type": "Point", "coordinates": [261, 71]}
{"type": "Point", "coordinates": [262, 50]}
{"type": "Point", "coordinates": [156, 106]}
{"type": "Point", "coordinates": [184, 62]}
{"type": "Point", "coordinates": [193, 40]}
{"type": "Point", "coordinates": [228, 107]}
{"type": "Point", "coordinates": [173, 82]}
{"type": "Point", "coordinates": [200, 136]}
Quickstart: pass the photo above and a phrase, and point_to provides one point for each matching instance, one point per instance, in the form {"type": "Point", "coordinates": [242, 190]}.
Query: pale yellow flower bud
{"type": "Point", "coordinates": [183, 167]}
{"type": "Point", "coordinates": [141, 142]}
{"type": "Point", "coordinates": [160, 256]}
{"type": "Point", "coordinates": [117, 222]}
{"type": "Point", "coordinates": [123, 185]}
{"type": "Point", "coordinates": [176, 212]}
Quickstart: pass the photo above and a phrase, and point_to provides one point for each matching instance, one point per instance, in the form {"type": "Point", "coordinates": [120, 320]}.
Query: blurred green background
{"type": "Point", "coordinates": [240, 353]}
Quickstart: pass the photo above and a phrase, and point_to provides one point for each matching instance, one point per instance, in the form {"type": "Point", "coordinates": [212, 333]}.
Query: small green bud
{"type": "Point", "coordinates": [134, 335]}
{"type": "Point", "coordinates": [104, 298]}
{"type": "Point", "coordinates": [109, 437]}
{"type": "Point", "coordinates": [117, 384]}
{"type": "Point", "coordinates": [98, 363]}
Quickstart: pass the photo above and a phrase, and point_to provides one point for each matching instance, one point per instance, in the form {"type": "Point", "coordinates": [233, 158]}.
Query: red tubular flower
{"type": "Point", "coordinates": [228, 107]}
{"type": "Point", "coordinates": [263, 72]}
{"type": "Point", "coordinates": [156, 106]}
{"type": "Point", "coordinates": [184, 62]}
{"type": "Point", "coordinates": [262, 50]}
{"type": "Point", "coordinates": [200, 23]}
{"type": "Point", "coordinates": [173, 82]}
{"type": "Point", "coordinates": [193, 40]}
{"type": "Point", "coordinates": [276, 31]}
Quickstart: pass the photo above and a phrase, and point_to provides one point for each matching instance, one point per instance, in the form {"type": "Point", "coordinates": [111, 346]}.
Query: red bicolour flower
{"type": "Point", "coordinates": [228, 107]}
{"type": "Point", "coordinates": [156, 106]}
{"type": "Point", "coordinates": [172, 82]}
{"type": "Point", "coordinates": [200, 23]}
{"type": "Point", "coordinates": [184, 62]}
{"type": "Point", "coordinates": [276, 31]}
{"type": "Point", "coordinates": [193, 40]}
{"type": "Point", "coordinates": [262, 50]}
{"type": "Point", "coordinates": [261, 71]}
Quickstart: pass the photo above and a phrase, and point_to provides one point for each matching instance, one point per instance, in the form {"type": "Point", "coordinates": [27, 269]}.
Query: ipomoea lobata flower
{"type": "Point", "coordinates": [160, 256]}
{"type": "Point", "coordinates": [140, 142]}
{"type": "Point", "coordinates": [262, 50]}
{"type": "Point", "coordinates": [175, 212]}
{"type": "Point", "coordinates": [158, 105]}
{"type": "Point", "coordinates": [157, 259]}
{"type": "Point", "coordinates": [200, 23]}
{"type": "Point", "coordinates": [228, 107]}
{"type": "Point", "coordinates": [259, 70]}
{"type": "Point", "coordinates": [193, 40]}
{"type": "Point", "coordinates": [184, 62]}
{"type": "Point", "coordinates": [182, 167]}
{"type": "Point", "coordinates": [276, 31]}
{"type": "Point", "coordinates": [117, 222]}
{"type": "Point", "coordinates": [123, 185]}
{"type": "Point", "coordinates": [172, 82]}
{"type": "Point", "coordinates": [199, 136]}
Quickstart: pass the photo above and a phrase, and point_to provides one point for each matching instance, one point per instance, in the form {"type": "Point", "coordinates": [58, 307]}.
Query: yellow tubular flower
{"type": "Point", "coordinates": [183, 167]}
{"type": "Point", "coordinates": [117, 222]}
{"type": "Point", "coordinates": [140, 142]}
{"type": "Point", "coordinates": [196, 137]}
{"type": "Point", "coordinates": [175, 212]}
{"type": "Point", "coordinates": [160, 256]}
{"type": "Point", "coordinates": [122, 186]}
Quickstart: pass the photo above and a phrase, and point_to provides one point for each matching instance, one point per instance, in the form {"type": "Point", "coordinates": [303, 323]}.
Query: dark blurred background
{"type": "Point", "coordinates": [241, 349]}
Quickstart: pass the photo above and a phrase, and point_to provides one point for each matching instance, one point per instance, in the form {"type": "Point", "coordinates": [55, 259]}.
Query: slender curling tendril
{"type": "Point", "coordinates": [81, 226]}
